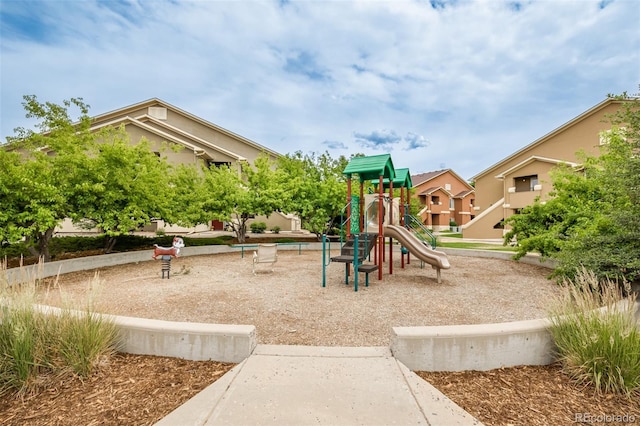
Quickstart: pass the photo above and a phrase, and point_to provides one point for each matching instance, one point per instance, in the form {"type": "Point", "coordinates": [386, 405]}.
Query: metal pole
{"type": "Point", "coordinates": [324, 258]}
{"type": "Point", "coordinates": [380, 230]}
{"type": "Point", "coordinates": [390, 223]}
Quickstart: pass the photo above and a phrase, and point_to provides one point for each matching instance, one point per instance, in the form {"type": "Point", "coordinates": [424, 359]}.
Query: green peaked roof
{"type": "Point", "coordinates": [402, 180]}
{"type": "Point", "coordinates": [371, 167]}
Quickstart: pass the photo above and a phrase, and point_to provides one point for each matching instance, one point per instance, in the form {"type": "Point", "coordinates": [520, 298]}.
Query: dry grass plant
{"type": "Point", "coordinates": [37, 343]}
{"type": "Point", "coordinates": [596, 334]}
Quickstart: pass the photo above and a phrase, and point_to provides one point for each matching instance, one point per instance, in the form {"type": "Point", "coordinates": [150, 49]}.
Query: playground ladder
{"type": "Point", "coordinates": [366, 242]}
{"type": "Point", "coordinates": [355, 251]}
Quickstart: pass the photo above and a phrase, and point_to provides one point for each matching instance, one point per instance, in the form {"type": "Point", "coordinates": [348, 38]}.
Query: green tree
{"type": "Point", "coordinates": [227, 194]}
{"type": "Point", "coordinates": [66, 170]}
{"type": "Point", "coordinates": [592, 219]}
{"type": "Point", "coordinates": [128, 186]}
{"type": "Point", "coordinates": [41, 173]}
{"type": "Point", "coordinates": [316, 188]}
{"type": "Point", "coordinates": [188, 196]}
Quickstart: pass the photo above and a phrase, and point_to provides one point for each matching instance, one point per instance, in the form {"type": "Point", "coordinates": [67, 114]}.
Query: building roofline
{"type": "Point", "coordinates": [433, 189]}
{"type": "Point", "coordinates": [549, 135]}
{"type": "Point", "coordinates": [190, 136]}
{"type": "Point", "coordinates": [531, 160]}
{"type": "Point", "coordinates": [167, 136]}
{"type": "Point", "coordinates": [157, 101]}
{"type": "Point", "coordinates": [437, 173]}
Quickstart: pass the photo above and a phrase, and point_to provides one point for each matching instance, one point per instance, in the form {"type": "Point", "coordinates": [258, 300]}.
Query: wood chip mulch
{"type": "Point", "coordinates": [140, 390]}
{"type": "Point", "coordinates": [532, 396]}
{"type": "Point", "coordinates": [128, 390]}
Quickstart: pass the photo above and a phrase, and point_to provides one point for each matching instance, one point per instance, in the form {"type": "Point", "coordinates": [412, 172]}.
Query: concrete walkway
{"type": "Point", "coordinates": [304, 385]}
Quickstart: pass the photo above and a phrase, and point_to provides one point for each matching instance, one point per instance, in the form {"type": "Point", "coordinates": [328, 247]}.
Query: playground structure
{"type": "Point", "coordinates": [370, 218]}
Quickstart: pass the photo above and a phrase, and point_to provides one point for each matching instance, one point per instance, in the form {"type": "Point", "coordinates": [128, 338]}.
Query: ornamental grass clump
{"type": "Point", "coordinates": [37, 342]}
{"type": "Point", "coordinates": [597, 335]}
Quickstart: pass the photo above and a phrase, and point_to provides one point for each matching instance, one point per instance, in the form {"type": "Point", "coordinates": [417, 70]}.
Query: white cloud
{"type": "Point", "coordinates": [463, 84]}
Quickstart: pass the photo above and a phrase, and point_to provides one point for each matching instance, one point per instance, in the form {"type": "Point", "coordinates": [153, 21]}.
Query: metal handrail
{"type": "Point", "coordinates": [422, 232]}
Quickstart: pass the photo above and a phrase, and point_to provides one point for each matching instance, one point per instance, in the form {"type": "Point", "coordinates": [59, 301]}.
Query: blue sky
{"type": "Point", "coordinates": [437, 84]}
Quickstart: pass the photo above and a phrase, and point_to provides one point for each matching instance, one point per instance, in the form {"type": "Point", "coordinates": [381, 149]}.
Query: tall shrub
{"type": "Point", "coordinates": [596, 334]}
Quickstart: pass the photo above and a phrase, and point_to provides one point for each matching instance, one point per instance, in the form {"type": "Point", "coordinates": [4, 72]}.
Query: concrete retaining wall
{"type": "Point", "coordinates": [478, 346]}
{"type": "Point", "coordinates": [186, 340]}
{"type": "Point", "coordinates": [530, 259]}
{"type": "Point", "coordinates": [473, 347]}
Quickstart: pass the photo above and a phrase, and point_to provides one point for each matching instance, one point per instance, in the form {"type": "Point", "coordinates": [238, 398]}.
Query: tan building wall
{"type": "Point", "coordinates": [286, 222]}
{"type": "Point", "coordinates": [493, 193]}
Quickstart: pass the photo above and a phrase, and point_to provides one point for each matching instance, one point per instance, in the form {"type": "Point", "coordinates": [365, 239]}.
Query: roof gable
{"type": "Point", "coordinates": [463, 194]}
{"type": "Point", "coordinates": [169, 137]}
{"type": "Point", "coordinates": [530, 160]}
{"type": "Point", "coordinates": [155, 102]}
{"type": "Point", "coordinates": [421, 178]}
{"type": "Point", "coordinates": [593, 110]}
{"type": "Point", "coordinates": [434, 189]}
{"type": "Point", "coordinates": [402, 180]}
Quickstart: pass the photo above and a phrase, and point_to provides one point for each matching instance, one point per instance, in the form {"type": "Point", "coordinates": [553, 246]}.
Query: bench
{"type": "Point", "coordinates": [250, 246]}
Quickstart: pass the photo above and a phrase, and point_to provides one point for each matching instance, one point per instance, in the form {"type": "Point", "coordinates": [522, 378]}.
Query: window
{"type": "Point", "coordinates": [451, 204]}
{"type": "Point", "coordinates": [211, 163]}
{"type": "Point", "coordinates": [435, 199]}
{"type": "Point", "coordinates": [525, 183]}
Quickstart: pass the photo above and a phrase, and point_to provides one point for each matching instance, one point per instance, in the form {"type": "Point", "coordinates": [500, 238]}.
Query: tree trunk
{"type": "Point", "coordinates": [111, 242]}
{"type": "Point", "coordinates": [34, 251]}
{"type": "Point", "coordinates": [43, 244]}
{"type": "Point", "coordinates": [241, 232]}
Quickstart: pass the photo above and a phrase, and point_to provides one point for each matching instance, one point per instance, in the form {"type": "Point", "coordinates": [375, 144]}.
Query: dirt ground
{"type": "Point", "coordinates": [289, 305]}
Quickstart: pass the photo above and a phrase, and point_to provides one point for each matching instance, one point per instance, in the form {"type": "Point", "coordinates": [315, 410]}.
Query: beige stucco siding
{"type": "Point", "coordinates": [241, 148]}
{"type": "Point", "coordinates": [580, 134]}
{"type": "Point", "coordinates": [488, 190]}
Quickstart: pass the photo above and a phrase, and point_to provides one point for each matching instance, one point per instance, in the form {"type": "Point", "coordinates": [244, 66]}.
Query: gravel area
{"type": "Point", "coordinates": [289, 305]}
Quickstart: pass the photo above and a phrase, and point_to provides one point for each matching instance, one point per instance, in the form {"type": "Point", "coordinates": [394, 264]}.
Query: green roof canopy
{"type": "Point", "coordinates": [402, 180]}
{"type": "Point", "coordinates": [371, 168]}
